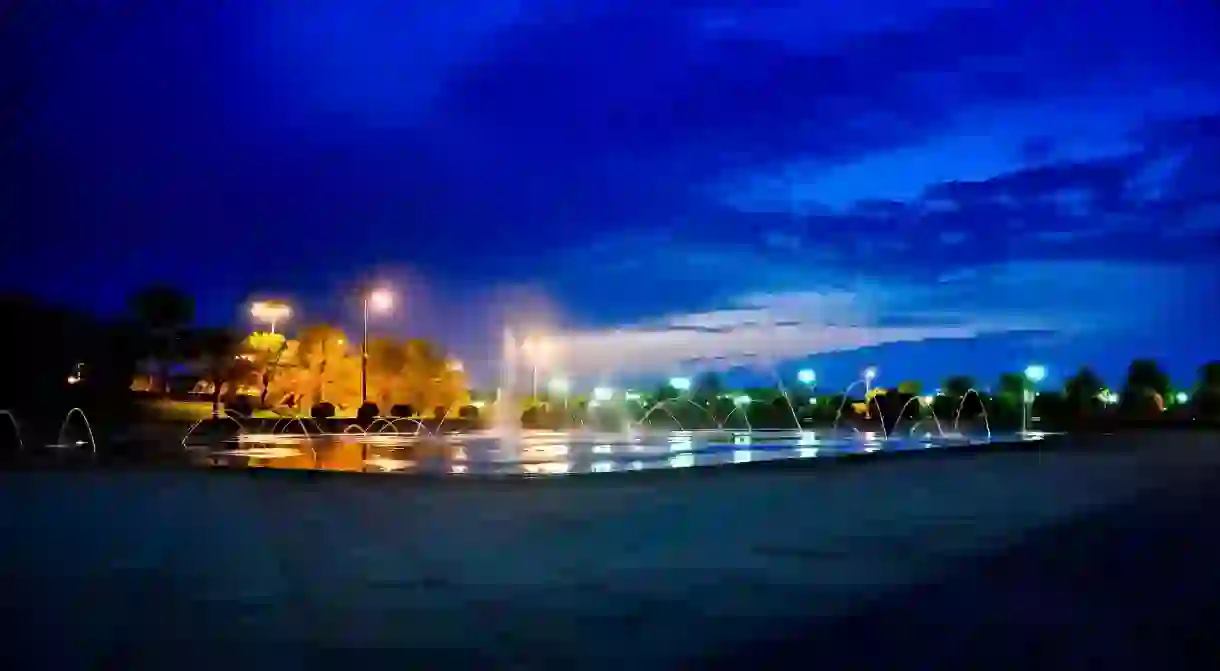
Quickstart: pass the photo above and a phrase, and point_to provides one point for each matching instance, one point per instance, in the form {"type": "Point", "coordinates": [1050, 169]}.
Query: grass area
{"type": "Point", "coordinates": [190, 411]}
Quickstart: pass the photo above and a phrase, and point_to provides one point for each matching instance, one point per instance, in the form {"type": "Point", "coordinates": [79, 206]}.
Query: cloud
{"type": "Point", "coordinates": [834, 312]}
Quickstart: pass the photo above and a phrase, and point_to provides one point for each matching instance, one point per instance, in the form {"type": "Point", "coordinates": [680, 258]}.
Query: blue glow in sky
{"type": "Point", "coordinates": [931, 187]}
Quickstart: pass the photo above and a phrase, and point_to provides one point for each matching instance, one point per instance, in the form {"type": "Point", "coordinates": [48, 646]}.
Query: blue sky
{"type": "Point", "coordinates": [929, 187]}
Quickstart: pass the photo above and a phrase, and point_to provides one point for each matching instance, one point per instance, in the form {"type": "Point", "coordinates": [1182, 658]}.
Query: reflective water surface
{"type": "Point", "coordinates": [553, 452]}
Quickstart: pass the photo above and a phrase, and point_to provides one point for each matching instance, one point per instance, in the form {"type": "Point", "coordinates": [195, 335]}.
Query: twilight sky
{"type": "Point", "coordinates": [930, 186]}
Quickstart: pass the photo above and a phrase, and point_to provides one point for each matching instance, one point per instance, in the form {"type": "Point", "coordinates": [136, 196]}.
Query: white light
{"type": "Point", "coordinates": [870, 373]}
{"type": "Point", "coordinates": [72, 379]}
{"type": "Point", "coordinates": [741, 400]}
{"type": "Point", "coordinates": [680, 383]}
{"type": "Point", "coordinates": [270, 311]}
{"type": "Point", "coordinates": [478, 404]}
{"type": "Point", "coordinates": [1035, 373]}
{"type": "Point", "coordinates": [926, 400]}
{"type": "Point", "coordinates": [559, 385]}
{"type": "Point", "coordinates": [381, 300]}
{"type": "Point", "coordinates": [603, 394]}
{"type": "Point", "coordinates": [1181, 397]}
{"type": "Point", "coordinates": [807, 376]}
{"type": "Point", "coordinates": [632, 396]}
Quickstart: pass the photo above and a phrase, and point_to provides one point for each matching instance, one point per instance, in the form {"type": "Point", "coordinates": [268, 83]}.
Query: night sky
{"type": "Point", "coordinates": [931, 187]}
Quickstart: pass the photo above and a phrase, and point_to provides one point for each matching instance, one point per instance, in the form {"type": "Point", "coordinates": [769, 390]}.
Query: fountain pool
{"type": "Point", "coordinates": [555, 452]}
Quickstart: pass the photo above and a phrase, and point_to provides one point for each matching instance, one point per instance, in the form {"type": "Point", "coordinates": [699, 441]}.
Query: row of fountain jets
{"type": "Point", "coordinates": [383, 425]}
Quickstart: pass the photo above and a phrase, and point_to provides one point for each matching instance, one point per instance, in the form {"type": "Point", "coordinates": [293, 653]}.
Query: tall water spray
{"type": "Point", "coordinates": [507, 422]}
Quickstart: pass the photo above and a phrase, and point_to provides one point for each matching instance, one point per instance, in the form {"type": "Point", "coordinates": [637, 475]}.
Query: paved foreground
{"type": "Point", "coordinates": [1105, 556]}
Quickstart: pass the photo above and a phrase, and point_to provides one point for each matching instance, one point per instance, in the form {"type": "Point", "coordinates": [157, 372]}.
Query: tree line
{"type": "Point", "coordinates": [320, 365]}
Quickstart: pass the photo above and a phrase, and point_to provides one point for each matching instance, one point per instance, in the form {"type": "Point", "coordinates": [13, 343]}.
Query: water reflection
{"type": "Point", "coordinates": [547, 452]}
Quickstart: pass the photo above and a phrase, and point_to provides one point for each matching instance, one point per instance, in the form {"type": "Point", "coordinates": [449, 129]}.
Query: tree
{"type": "Point", "coordinates": [910, 388]}
{"type": "Point", "coordinates": [264, 351]}
{"type": "Point", "coordinates": [1209, 375]}
{"type": "Point", "coordinates": [217, 349]}
{"type": "Point", "coordinates": [958, 385]}
{"type": "Point", "coordinates": [707, 387]}
{"type": "Point", "coordinates": [1012, 387]}
{"type": "Point", "coordinates": [1082, 390]}
{"type": "Point", "coordinates": [326, 372]}
{"type": "Point", "coordinates": [1146, 388]}
{"type": "Point", "coordinates": [162, 312]}
{"type": "Point", "coordinates": [386, 367]}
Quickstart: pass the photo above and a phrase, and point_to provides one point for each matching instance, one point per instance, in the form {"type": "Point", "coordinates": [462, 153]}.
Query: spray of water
{"type": "Point", "coordinates": [957, 416]}
{"type": "Point", "coordinates": [902, 413]}
{"type": "Point", "coordinates": [16, 427]}
{"type": "Point", "coordinates": [61, 439]}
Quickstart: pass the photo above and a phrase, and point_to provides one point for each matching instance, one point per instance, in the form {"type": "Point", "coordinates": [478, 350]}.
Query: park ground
{"type": "Point", "coordinates": [1102, 555]}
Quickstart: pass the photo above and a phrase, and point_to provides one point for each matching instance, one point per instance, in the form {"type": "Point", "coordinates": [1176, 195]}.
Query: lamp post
{"type": "Point", "coordinates": [270, 312]}
{"type": "Point", "coordinates": [1033, 373]}
{"type": "Point", "coordinates": [537, 348]}
{"type": "Point", "coordinates": [561, 386]}
{"type": "Point", "coordinates": [379, 300]}
{"type": "Point", "coordinates": [869, 374]}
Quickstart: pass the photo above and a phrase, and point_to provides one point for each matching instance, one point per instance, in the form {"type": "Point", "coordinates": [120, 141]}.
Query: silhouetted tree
{"type": "Point", "coordinates": [1146, 388]}
{"type": "Point", "coordinates": [958, 385]}
{"type": "Point", "coordinates": [217, 349]}
{"type": "Point", "coordinates": [1081, 391]}
{"type": "Point", "coordinates": [1209, 375]}
{"type": "Point", "coordinates": [162, 313]}
{"type": "Point", "coordinates": [707, 387]}
{"type": "Point", "coordinates": [910, 388]}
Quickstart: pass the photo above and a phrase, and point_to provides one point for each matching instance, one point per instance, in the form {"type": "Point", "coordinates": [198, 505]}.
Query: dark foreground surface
{"type": "Point", "coordinates": [1104, 556]}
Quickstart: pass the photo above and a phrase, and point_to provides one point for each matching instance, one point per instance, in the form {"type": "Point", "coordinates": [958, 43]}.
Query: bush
{"type": "Point", "coordinates": [440, 412]}
{"type": "Point", "coordinates": [322, 410]}
{"type": "Point", "coordinates": [469, 412]}
{"type": "Point", "coordinates": [242, 406]}
{"type": "Point", "coordinates": [367, 413]}
{"type": "Point", "coordinates": [402, 410]}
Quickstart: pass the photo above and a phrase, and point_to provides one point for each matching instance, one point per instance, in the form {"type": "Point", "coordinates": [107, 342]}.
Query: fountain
{"type": "Point", "coordinates": [957, 417]}
{"type": "Point", "coordinates": [507, 421]}
{"type": "Point", "coordinates": [16, 428]}
{"type": "Point", "coordinates": [664, 406]}
{"type": "Point", "coordinates": [60, 440]}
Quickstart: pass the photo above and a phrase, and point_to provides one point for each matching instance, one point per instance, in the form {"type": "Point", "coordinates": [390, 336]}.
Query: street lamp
{"type": "Point", "coordinates": [1034, 373]}
{"type": "Point", "coordinates": [807, 376]}
{"type": "Point", "coordinates": [270, 312]}
{"type": "Point", "coordinates": [603, 394]}
{"type": "Point", "coordinates": [869, 374]}
{"type": "Point", "coordinates": [560, 386]}
{"type": "Point", "coordinates": [681, 384]}
{"type": "Point", "coordinates": [379, 300]}
{"type": "Point", "coordinates": [538, 350]}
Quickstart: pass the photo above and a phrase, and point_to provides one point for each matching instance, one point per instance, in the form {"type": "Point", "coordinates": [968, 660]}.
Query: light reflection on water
{"type": "Point", "coordinates": [550, 452]}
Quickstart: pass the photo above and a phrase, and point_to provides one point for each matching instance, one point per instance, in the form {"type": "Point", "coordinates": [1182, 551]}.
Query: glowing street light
{"type": "Point", "coordinates": [1181, 397]}
{"type": "Point", "coordinates": [270, 312]}
{"type": "Point", "coordinates": [1035, 373]}
{"type": "Point", "coordinates": [682, 384]}
{"type": "Point", "coordinates": [741, 401]}
{"type": "Point", "coordinates": [806, 376]}
{"type": "Point", "coordinates": [603, 394]}
{"type": "Point", "coordinates": [377, 300]}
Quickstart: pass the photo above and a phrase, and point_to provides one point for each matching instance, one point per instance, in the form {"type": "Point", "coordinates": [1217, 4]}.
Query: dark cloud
{"type": "Point", "coordinates": [647, 82]}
